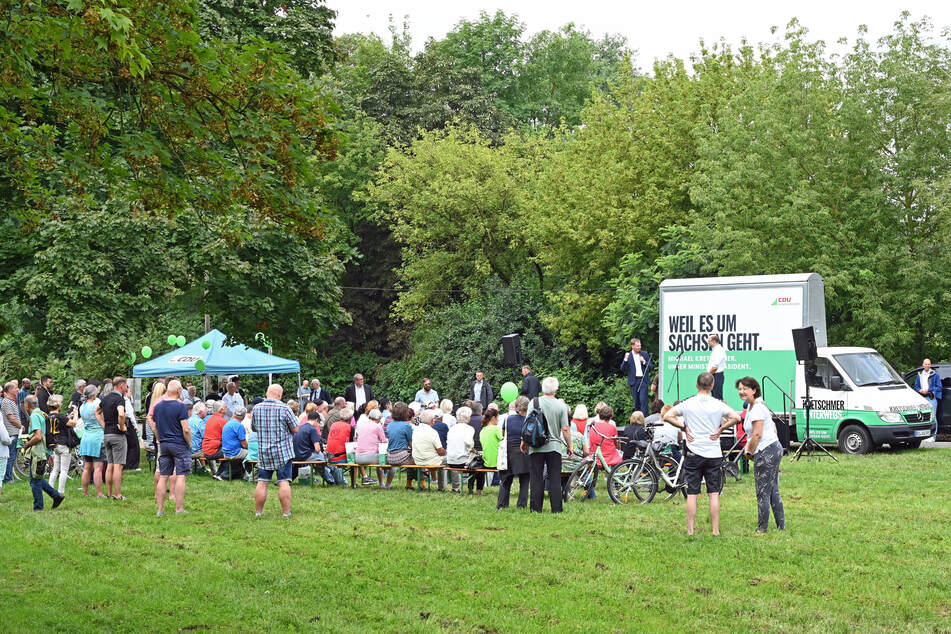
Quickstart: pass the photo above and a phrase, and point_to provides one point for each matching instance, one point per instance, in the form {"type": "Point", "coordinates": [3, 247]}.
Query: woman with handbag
{"type": "Point", "coordinates": [517, 465]}
{"type": "Point", "coordinates": [90, 448]}
{"type": "Point", "coordinates": [35, 448]}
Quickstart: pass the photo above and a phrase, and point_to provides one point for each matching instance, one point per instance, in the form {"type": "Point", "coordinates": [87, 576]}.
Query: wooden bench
{"type": "Point", "coordinates": [354, 467]}
{"type": "Point", "coordinates": [470, 473]}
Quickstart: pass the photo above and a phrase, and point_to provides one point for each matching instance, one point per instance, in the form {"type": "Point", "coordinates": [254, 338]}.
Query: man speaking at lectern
{"type": "Point", "coordinates": [637, 364]}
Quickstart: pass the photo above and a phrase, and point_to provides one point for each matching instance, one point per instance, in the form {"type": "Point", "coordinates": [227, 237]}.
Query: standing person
{"type": "Point", "coordinates": [5, 442]}
{"type": "Point", "coordinates": [35, 446]}
{"type": "Point", "coordinates": [112, 410]}
{"type": "Point", "coordinates": [637, 364]}
{"type": "Point", "coordinates": [133, 452]}
{"type": "Point", "coordinates": [303, 392]}
{"type": "Point", "coordinates": [175, 456]}
{"type": "Point", "coordinates": [767, 452]}
{"type": "Point", "coordinates": [358, 392]}
{"type": "Point", "coordinates": [519, 465]}
{"type": "Point", "coordinates": [275, 425]}
{"type": "Point", "coordinates": [77, 397]}
{"type": "Point", "coordinates": [480, 390]}
{"type": "Point", "coordinates": [90, 447]}
{"type": "Point", "coordinates": [12, 424]}
{"type": "Point", "coordinates": [232, 400]}
{"type": "Point", "coordinates": [317, 393]}
{"type": "Point", "coordinates": [548, 456]}
{"type": "Point", "coordinates": [24, 391]}
{"type": "Point", "coordinates": [427, 394]}
{"type": "Point", "coordinates": [427, 448]}
{"type": "Point", "coordinates": [702, 418]}
{"type": "Point", "coordinates": [43, 392]}
{"type": "Point", "coordinates": [58, 439]}
{"type": "Point", "coordinates": [531, 387]}
{"type": "Point", "coordinates": [716, 365]}
{"type": "Point", "coordinates": [928, 384]}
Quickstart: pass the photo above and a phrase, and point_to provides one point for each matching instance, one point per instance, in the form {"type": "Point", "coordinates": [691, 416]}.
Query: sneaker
{"type": "Point", "coordinates": [218, 478]}
{"type": "Point", "coordinates": [118, 497]}
{"type": "Point", "coordinates": [287, 514]}
{"type": "Point", "coordinates": [59, 500]}
{"type": "Point", "coordinates": [182, 512]}
{"type": "Point", "coordinates": [258, 514]}
{"type": "Point", "coordinates": [369, 481]}
{"type": "Point", "coordinates": [159, 513]}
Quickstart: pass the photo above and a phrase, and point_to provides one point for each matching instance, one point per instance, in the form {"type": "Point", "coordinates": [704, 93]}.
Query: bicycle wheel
{"type": "Point", "coordinates": [75, 464]}
{"type": "Point", "coordinates": [669, 466]}
{"type": "Point", "coordinates": [22, 465]}
{"type": "Point", "coordinates": [632, 477]}
{"type": "Point", "coordinates": [576, 488]}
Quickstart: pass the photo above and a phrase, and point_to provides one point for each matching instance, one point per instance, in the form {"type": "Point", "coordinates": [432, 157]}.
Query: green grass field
{"type": "Point", "coordinates": [868, 548]}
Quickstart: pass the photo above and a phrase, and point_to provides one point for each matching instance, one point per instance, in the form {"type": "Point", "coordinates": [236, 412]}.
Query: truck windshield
{"type": "Point", "coordinates": [867, 368]}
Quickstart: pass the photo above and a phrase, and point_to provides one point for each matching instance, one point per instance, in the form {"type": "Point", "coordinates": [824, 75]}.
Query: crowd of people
{"type": "Point", "coordinates": [227, 433]}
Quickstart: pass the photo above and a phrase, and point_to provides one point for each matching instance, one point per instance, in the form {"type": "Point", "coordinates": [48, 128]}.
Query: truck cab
{"type": "Point", "coordinates": [859, 402]}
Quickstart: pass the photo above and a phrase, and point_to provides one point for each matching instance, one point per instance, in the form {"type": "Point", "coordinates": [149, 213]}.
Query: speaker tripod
{"type": "Point", "coordinates": [808, 445]}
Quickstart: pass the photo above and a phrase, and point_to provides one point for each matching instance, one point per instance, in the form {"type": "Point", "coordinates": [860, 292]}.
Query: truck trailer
{"type": "Point", "coordinates": [859, 402]}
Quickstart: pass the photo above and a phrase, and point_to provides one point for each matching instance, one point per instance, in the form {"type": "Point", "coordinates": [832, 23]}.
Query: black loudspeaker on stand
{"type": "Point", "coordinates": [804, 340]}
{"type": "Point", "coordinates": [512, 352]}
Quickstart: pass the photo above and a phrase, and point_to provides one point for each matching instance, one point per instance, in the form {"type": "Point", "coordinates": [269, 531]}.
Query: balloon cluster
{"type": "Point", "coordinates": [173, 340]}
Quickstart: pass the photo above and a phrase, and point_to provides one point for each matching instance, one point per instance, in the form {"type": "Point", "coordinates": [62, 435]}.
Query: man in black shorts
{"type": "Point", "coordinates": [175, 441]}
{"type": "Point", "coordinates": [702, 418]}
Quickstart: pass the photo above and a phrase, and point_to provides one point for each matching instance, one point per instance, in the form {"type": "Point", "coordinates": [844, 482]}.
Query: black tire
{"type": "Point", "coordinates": [22, 465]}
{"type": "Point", "coordinates": [634, 476]}
{"type": "Point", "coordinates": [578, 483]}
{"type": "Point", "coordinates": [669, 465]}
{"type": "Point", "coordinates": [855, 439]}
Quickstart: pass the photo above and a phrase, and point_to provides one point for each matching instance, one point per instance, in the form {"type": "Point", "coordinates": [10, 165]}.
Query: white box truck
{"type": "Point", "coordinates": [858, 400]}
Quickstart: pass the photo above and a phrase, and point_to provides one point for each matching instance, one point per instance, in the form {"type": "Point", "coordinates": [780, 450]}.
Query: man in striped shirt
{"type": "Point", "coordinates": [275, 425]}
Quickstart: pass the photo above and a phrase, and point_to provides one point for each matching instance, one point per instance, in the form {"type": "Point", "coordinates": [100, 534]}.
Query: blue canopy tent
{"type": "Point", "coordinates": [218, 358]}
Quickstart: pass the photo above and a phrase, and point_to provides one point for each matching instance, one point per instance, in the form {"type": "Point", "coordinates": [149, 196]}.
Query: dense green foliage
{"type": "Point", "coordinates": [374, 207]}
{"type": "Point", "coordinates": [866, 549]}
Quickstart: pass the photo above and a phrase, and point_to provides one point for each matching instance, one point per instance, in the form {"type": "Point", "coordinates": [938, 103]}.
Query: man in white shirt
{"type": "Point", "coordinates": [232, 399]}
{"type": "Point", "coordinates": [717, 365]}
{"type": "Point", "coordinates": [359, 392]}
{"type": "Point", "coordinates": [637, 366]}
{"type": "Point", "coordinates": [704, 417]}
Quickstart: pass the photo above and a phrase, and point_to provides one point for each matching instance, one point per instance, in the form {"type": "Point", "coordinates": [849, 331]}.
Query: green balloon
{"type": "Point", "coordinates": [171, 340]}
{"type": "Point", "coordinates": [509, 392]}
{"type": "Point", "coordinates": [200, 365]}
{"type": "Point", "coordinates": [146, 352]}
{"type": "Point", "coordinates": [180, 340]}
{"type": "Point", "coordinates": [131, 358]}
{"type": "Point", "coordinates": [205, 344]}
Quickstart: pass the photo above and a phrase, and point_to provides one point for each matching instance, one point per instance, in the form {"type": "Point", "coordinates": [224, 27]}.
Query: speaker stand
{"type": "Point", "coordinates": [808, 445]}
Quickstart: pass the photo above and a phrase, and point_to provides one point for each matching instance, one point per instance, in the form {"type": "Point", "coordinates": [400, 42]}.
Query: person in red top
{"type": "Point", "coordinates": [608, 447]}
{"type": "Point", "coordinates": [337, 438]}
{"type": "Point", "coordinates": [211, 441]}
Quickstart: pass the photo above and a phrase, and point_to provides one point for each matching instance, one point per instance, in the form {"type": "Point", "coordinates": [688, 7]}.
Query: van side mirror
{"type": "Point", "coordinates": [835, 383]}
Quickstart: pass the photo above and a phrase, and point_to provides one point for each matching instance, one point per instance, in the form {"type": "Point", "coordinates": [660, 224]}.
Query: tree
{"type": "Point", "coordinates": [451, 200]}
{"type": "Point", "coordinates": [303, 28]}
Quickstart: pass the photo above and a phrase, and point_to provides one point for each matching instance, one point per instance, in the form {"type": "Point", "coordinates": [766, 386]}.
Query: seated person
{"type": "Point", "coordinates": [211, 442]}
{"type": "Point", "coordinates": [427, 448]}
{"type": "Point", "coordinates": [634, 431]}
{"type": "Point", "coordinates": [308, 446]}
{"type": "Point", "coordinates": [369, 437]}
{"type": "Point", "coordinates": [399, 434]}
{"type": "Point", "coordinates": [196, 422]}
{"type": "Point", "coordinates": [667, 434]}
{"type": "Point", "coordinates": [234, 446]}
{"type": "Point", "coordinates": [605, 427]}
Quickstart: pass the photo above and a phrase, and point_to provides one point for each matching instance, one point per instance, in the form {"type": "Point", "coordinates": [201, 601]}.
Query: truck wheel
{"type": "Point", "coordinates": [855, 439]}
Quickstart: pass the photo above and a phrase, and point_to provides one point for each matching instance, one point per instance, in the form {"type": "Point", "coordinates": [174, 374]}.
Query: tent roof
{"type": "Point", "coordinates": [219, 359]}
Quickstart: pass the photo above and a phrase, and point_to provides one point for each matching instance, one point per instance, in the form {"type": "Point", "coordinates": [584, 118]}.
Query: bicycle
{"type": "Point", "coordinates": [585, 476]}
{"type": "Point", "coordinates": [22, 465]}
{"type": "Point", "coordinates": [642, 474]}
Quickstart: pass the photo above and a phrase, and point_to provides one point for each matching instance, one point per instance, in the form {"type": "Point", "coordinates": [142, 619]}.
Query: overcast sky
{"type": "Point", "coordinates": [654, 29]}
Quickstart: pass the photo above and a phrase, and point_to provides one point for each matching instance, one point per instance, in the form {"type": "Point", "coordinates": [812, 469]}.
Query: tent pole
{"type": "Point", "coordinates": [207, 330]}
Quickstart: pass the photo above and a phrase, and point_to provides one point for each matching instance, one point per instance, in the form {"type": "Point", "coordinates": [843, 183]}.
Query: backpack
{"type": "Point", "coordinates": [49, 433]}
{"type": "Point", "coordinates": [535, 428]}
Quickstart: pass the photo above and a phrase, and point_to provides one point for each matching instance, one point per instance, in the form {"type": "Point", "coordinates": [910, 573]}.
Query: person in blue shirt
{"type": "Point", "coordinates": [308, 446]}
{"type": "Point", "coordinates": [196, 423]}
{"type": "Point", "coordinates": [234, 446]}
{"type": "Point", "coordinates": [427, 395]}
{"type": "Point", "coordinates": [399, 437]}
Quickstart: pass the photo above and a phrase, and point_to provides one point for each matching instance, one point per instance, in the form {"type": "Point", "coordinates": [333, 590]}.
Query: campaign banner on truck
{"type": "Point", "coordinates": [755, 328]}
